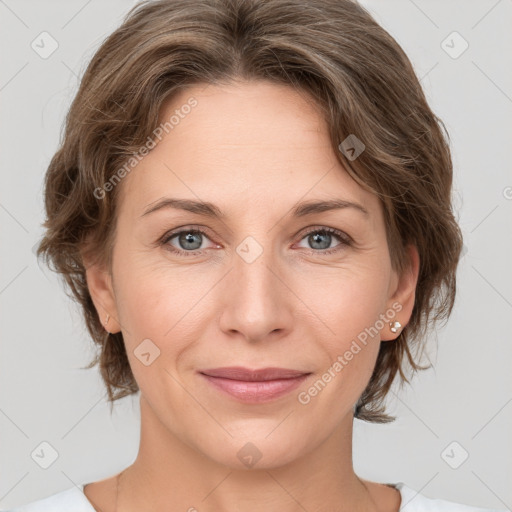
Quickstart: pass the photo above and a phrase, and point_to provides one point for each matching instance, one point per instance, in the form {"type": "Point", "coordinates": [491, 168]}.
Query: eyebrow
{"type": "Point", "coordinates": [207, 209]}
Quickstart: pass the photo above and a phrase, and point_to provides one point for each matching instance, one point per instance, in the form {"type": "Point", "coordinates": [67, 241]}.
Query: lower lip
{"type": "Point", "coordinates": [256, 392]}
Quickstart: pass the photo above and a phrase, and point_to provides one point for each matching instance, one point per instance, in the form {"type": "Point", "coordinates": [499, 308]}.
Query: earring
{"type": "Point", "coordinates": [106, 322]}
{"type": "Point", "coordinates": [394, 326]}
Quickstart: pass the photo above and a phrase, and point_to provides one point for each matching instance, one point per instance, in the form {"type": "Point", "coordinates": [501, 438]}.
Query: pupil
{"type": "Point", "coordinates": [317, 238]}
{"type": "Point", "coordinates": [189, 238]}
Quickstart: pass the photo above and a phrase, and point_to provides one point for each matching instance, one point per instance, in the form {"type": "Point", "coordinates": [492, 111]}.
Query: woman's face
{"type": "Point", "coordinates": [268, 283]}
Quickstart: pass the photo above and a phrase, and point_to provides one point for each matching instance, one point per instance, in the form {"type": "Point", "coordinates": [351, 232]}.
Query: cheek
{"type": "Point", "coordinates": [347, 306]}
{"type": "Point", "coordinates": [349, 352]}
{"type": "Point", "coordinates": [161, 302]}
{"type": "Point", "coordinates": [347, 299]}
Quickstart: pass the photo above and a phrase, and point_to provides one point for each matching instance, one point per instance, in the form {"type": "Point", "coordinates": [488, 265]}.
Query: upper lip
{"type": "Point", "coordinates": [246, 374]}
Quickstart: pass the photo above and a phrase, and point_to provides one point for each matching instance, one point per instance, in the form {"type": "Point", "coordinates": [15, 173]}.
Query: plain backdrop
{"type": "Point", "coordinates": [452, 436]}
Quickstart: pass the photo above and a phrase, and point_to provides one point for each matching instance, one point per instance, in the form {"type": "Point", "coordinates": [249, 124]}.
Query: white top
{"type": "Point", "coordinates": [74, 500]}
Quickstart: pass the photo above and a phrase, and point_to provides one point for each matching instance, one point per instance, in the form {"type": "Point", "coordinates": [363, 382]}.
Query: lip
{"type": "Point", "coordinates": [246, 374]}
{"type": "Point", "coordinates": [254, 386]}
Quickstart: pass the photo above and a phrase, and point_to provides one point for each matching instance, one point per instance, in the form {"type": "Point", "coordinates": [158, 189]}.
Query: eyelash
{"type": "Point", "coordinates": [345, 240]}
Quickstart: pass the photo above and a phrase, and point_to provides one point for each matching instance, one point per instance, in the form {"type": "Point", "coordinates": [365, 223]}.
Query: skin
{"type": "Point", "coordinates": [255, 150]}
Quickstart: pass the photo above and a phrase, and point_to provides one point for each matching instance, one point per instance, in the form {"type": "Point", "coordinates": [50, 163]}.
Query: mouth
{"type": "Point", "coordinates": [254, 386]}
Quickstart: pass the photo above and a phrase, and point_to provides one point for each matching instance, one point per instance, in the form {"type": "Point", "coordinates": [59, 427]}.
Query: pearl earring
{"type": "Point", "coordinates": [394, 326]}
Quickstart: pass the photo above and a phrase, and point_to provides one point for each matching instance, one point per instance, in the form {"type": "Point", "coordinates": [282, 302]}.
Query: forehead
{"type": "Point", "coordinates": [246, 143]}
{"type": "Point", "coordinates": [247, 116]}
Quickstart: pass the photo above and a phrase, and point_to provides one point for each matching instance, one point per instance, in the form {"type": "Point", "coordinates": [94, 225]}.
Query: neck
{"type": "Point", "coordinates": [169, 472]}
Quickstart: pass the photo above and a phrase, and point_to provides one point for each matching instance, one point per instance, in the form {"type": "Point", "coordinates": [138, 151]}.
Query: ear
{"type": "Point", "coordinates": [99, 283]}
{"type": "Point", "coordinates": [402, 294]}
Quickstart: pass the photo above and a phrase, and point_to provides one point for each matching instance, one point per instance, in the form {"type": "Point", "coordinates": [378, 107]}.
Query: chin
{"type": "Point", "coordinates": [261, 451]}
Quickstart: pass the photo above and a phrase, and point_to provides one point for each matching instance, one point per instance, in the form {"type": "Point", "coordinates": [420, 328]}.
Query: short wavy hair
{"type": "Point", "coordinates": [363, 84]}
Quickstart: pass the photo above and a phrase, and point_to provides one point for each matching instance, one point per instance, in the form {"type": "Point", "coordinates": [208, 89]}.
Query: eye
{"type": "Point", "coordinates": [189, 242]}
{"type": "Point", "coordinates": [320, 239]}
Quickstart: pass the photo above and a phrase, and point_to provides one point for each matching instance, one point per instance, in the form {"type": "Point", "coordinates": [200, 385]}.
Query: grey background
{"type": "Point", "coordinates": [466, 398]}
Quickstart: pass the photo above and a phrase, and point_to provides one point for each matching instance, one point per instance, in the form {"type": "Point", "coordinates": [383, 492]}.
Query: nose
{"type": "Point", "coordinates": [256, 301]}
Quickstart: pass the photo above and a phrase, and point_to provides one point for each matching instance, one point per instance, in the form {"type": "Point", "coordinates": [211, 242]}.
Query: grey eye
{"type": "Point", "coordinates": [189, 240]}
{"type": "Point", "coordinates": [320, 240]}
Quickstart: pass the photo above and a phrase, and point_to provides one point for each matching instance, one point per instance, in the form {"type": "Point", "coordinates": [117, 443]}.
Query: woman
{"type": "Point", "coordinates": [251, 204]}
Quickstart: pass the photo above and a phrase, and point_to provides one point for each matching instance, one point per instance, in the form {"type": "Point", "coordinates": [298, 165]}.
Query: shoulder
{"type": "Point", "coordinates": [412, 501]}
{"type": "Point", "coordinates": [70, 500]}
{"type": "Point", "coordinates": [74, 500]}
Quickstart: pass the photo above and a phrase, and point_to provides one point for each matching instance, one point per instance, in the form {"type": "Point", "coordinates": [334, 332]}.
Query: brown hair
{"type": "Point", "coordinates": [356, 73]}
